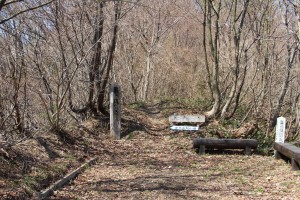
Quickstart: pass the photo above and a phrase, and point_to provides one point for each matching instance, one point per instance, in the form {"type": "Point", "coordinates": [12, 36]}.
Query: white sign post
{"type": "Point", "coordinates": [280, 129]}
{"type": "Point", "coordinates": [280, 133]}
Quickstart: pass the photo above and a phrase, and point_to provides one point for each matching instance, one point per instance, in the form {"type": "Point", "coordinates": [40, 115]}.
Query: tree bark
{"type": "Point", "coordinates": [292, 52]}
{"type": "Point", "coordinates": [213, 39]}
{"type": "Point", "coordinates": [237, 31]}
{"type": "Point", "coordinates": [110, 60]}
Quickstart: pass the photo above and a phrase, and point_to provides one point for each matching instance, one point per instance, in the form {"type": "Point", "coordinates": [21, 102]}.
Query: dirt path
{"type": "Point", "coordinates": [163, 165]}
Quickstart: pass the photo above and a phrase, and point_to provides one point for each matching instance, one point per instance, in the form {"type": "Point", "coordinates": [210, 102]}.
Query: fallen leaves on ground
{"type": "Point", "coordinates": [163, 165]}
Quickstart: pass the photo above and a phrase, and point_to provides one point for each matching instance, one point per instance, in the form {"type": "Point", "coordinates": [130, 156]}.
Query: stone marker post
{"type": "Point", "coordinates": [280, 129]}
{"type": "Point", "coordinates": [280, 133]}
{"type": "Point", "coordinates": [115, 111]}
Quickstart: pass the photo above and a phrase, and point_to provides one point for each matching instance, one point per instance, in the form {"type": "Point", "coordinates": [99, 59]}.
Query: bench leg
{"type": "Point", "coordinates": [201, 149]}
{"type": "Point", "coordinates": [277, 155]}
{"type": "Point", "coordinates": [295, 165]}
{"type": "Point", "coordinates": [248, 151]}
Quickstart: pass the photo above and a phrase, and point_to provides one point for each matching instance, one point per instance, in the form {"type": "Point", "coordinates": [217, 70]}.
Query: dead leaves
{"type": "Point", "coordinates": [163, 165]}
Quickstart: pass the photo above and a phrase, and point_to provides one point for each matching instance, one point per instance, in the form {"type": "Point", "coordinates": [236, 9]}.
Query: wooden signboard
{"type": "Point", "coordinates": [187, 118]}
{"type": "Point", "coordinates": [185, 128]}
{"type": "Point", "coordinates": [194, 119]}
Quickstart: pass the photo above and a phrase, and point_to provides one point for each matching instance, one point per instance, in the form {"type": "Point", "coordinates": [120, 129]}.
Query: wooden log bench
{"type": "Point", "coordinates": [288, 152]}
{"type": "Point", "coordinates": [201, 144]}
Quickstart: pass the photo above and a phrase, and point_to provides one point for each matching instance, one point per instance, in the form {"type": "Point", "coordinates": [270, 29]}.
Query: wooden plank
{"type": "Point", "coordinates": [185, 128]}
{"type": "Point", "coordinates": [225, 143]}
{"type": "Point", "coordinates": [288, 150]}
{"type": "Point", "coordinates": [186, 118]}
{"type": "Point", "coordinates": [60, 183]}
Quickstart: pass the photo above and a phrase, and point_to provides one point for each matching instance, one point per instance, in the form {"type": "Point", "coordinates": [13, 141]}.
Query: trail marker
{"type": "Point", "coordinates": [185, 119]}
{"type": "Point", "coordinates": [185, 128]}
{"type": "Point", "coordinates": [115, 111]}
{"type": "Point", "coordinates": [280, 129]}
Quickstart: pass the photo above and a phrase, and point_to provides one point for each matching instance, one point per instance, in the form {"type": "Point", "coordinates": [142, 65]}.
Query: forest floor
{"type": "Point", "coordinates": [149, 162]}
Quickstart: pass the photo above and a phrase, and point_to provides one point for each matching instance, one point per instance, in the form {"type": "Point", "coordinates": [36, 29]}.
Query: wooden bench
{"type": "Point", "coordinates": [288, 152]}
{"type": "Point", "coordinates": [183, 120]}
{"type": "Point", "coordinates": [201, 144]}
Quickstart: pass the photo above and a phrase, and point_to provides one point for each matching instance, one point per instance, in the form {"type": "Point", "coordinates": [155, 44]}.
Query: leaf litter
{"type": "Point", "coordinates": [162, 164]}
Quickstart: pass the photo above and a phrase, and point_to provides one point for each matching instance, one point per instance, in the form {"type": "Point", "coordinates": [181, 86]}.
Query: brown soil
{"type": "Point", "coordinates": [151, 162]}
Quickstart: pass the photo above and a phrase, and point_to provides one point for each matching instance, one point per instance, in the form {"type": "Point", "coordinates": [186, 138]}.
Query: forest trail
{"type": "Point", "coordinates": [149, 164]}
{"type": "Point", "coordinates": [60, 59]}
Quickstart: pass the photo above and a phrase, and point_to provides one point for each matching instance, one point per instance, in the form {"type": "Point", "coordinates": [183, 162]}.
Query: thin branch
{"type": "Point", "coordinates": [24, 11]}
{"type": "Point", "coordinates": [11, 2]}
{"type": "Point", "coordinates": [2, 4]}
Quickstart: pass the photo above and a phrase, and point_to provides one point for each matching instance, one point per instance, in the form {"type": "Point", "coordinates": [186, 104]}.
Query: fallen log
{"type": "Point", "coordinates": [246, 130]}
{"type": "Point", "coordinates": [60, 183]}
{"type": "Point", "coordinates": [288, 151]}
{"type": "Point", "coordinates": [212, 143]}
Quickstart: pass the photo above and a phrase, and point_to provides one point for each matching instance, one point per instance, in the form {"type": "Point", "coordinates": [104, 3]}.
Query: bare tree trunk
{"type": "Point", "coordinates": [239, 89]}
{"type": "Point", "coordinates": [292, 51]}
{"type": "Point", "coordinates": [237, 31]}
{"type": "Point", "coordinates": [96, 72]}
{"type": "Point", "coordinates": [100, 68]}
{"type": "Point", "coordinates": [18, 72]}
{"type": "Point", "coordinates": [146, 76]}
{"type": "Point", "coordinates": [110, 59]}
{"type": "Point", "coordinates": [213, 39]}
